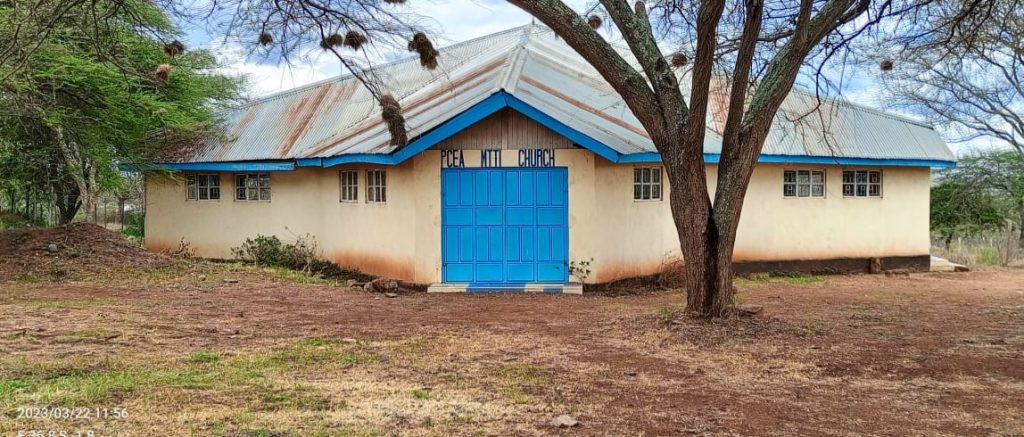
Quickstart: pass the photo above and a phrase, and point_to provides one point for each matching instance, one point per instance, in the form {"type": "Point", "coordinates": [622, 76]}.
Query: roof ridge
{"type": "Point", "coordinates": [347, 76]}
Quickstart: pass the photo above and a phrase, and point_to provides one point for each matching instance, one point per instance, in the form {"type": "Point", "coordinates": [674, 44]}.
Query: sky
{"type": "Point", "coordinates": [454, 21]}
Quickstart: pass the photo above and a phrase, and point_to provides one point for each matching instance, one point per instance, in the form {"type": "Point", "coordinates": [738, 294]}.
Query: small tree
{"type": "Point", "coordinates": [1000, 174]}
{"type": "Point", "coordinates": [960, 210]}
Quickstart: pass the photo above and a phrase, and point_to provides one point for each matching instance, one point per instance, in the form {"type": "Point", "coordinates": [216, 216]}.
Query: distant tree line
{"type": "Point", "coordinates": [984, 193]}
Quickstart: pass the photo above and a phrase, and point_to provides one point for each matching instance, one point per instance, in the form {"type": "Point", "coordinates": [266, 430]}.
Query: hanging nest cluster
{"type": "Point", "coordinates": [266, 39]}
{"type": "Point", "coordinates": [174, 48]}
{"type": "Point", "coordinates": [679, 59]}
{"type": "Point", "coordinates": [391, 112]}
{"type": "Point", "coordinates": [595, 22]}
{"type": "Point", "coordinates": [163, 73]}
{"type": "Point", "coordinates": [640, 8]}
{"type": "Point", "coordinates": [354, 40]}
{"type": "Point", "coordinates": [886, 65]}
{"type": "Point", "coordinates": [332, 40]}
{"type": "Point", "coordinates": [422, 45]}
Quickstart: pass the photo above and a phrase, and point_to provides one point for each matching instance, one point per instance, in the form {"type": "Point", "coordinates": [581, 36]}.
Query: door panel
{"type": "Point", "coordinates": [507, 225]}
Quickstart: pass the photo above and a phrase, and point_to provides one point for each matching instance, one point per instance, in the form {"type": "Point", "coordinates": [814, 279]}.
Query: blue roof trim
{"type": "Point", "coordinates": [714, 158]}
{"type": "Point", "coordinates": [492, 104]}
{"type": "Point", "coordinates": [562, 129]}
{"type": "Point", "coordinates": [213, 166]}
{"type": "Point", "coordinates": [487, 107]}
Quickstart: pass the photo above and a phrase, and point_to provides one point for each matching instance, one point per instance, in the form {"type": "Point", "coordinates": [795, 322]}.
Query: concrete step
{"type": "Point", "coordinates": [573, 288]}
{"type": "Point", "coordinates": [943, 265]}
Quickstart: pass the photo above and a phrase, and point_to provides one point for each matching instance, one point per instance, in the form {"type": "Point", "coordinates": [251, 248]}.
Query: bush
{"type": "Point", "coordinates": [134, 224]}
{"type": "Point", "coordinates": [262, 251]}
{"type": "Point", "coordinates": [270, 251]}
{"type": "Point", "coordinates": [988, 256]}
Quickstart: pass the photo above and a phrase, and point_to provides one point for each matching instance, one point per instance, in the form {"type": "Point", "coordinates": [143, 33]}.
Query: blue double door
{"type": "Point", "coordinates": [505, 225]}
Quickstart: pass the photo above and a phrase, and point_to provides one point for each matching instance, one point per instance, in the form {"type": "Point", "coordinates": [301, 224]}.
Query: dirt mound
{"type": "Point", "coordinates": [69, 251]}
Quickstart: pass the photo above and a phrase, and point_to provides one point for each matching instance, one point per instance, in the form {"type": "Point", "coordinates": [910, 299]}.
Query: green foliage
{"type": "Point", "coordinates": [988, 256]}
{"type": "Point", "coordinates": [580, 268]}
{"type": "Point", "coordinates": [83, 101]}
{"type": "Point", "coordinates": [302, 255]}
{"type": "Point", "coordinates": [261, 250]}
{"type": "Point", "coordinates": [135, 224]}
{"type": "Point", "coordinates": [959, 209]}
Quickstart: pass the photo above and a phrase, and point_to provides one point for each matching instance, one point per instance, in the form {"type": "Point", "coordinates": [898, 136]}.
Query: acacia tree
{"type": "Point", "coordinates": [79, 102]}
{"type": "Point", "coordinates": [974, 87]}
{"type": "Point", "coordinates": [999, 173]}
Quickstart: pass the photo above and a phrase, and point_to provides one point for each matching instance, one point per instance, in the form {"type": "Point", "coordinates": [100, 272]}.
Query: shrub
{"type": "Point", "coordinates": [988, 256]}
{"type": "Point", "coordinates": [134, 224]}
{"type": "Point", "coordinates": [262, 251]}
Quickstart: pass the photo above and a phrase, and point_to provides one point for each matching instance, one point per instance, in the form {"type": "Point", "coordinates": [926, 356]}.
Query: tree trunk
{"type": "Point", "coordinates": [1020, 224]}
{"type": "Point", "coordinates": [81, 173]}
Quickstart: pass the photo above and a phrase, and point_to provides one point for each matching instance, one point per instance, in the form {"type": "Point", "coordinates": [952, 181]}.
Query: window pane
{"type": "Point", "coordinates": [215, 193]}
{"type": "Point", "coordinates": [818, 190]}
{"type": "Point", "coordinates": [656, 191]}
{"type": "Point", "coordinates": [240, 193]}
{"type": "Point", "coordinates": [646, 192]}
{"type": "Point", "coordinates": [862, 190]}
{"type": "Point", "coordinates": [383, 194]}
{"type": "Point", "coordinates": [656, 175]}
{"type": "Point", "coordinates": [190, 179]}
{"type": "Point", "coordinates": [847, 189]}
{"type": "Point", "coordinates": [803, 190]}
{"type": "Point", "coordinates": [191, 192]}
{"type": "Point", "coordinates": [848, 176]}
{"type": "Point", "coordinates": [636, 175]}
{"type": "Point", "coordinates": [862, 176]}
{"type": "Point", "coordinates": [875, 190]}
{"type": "Point", "coordinates": [817, 177]}
{"type": "Point", "coordinates": [789, 190]}
{"type": "Point", "coordinates": [789, 176]}
{"type": "Point", "coordinates": [636, 191]}
{"type": "Point", "coordinates": [875, 177]}
{"type": "Point", "coordinates": [204, 193]}
{"type": "Point", "coordinates": [803, 177]}
{"type": "Point", "coordinates": [252, 194]}
{"type": "Point", "coordinates": [264, 193]}
{"type": "Point", "coordinates": [647, 175]}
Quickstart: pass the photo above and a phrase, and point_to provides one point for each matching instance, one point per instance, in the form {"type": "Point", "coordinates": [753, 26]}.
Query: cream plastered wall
{"type": "Point", "coordinates": [635, 238]}
{"type": "Point", "coordinates": [402, 237]}
{"type": "Point", "coordinates": [377, 238]}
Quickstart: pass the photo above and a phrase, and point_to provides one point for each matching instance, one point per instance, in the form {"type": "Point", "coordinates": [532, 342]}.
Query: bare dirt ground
{"type": "Point", "coordinates": [186, 350]}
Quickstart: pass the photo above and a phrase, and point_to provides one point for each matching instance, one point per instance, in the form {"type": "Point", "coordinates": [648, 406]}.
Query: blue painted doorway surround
{"type": "Point", "coordinates": [504, 226]}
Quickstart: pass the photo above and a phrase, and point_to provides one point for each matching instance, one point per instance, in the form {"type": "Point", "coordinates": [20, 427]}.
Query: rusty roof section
{"type": "Point", "coordinates": [339, 116]}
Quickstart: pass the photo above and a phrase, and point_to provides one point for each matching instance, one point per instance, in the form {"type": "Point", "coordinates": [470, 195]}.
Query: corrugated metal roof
{"type": "Point", "coordinates": [339, 116]}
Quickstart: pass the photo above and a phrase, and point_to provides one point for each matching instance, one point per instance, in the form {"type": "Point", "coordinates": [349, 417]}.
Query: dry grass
{"type": "Point", "coordinates": [187, 353]}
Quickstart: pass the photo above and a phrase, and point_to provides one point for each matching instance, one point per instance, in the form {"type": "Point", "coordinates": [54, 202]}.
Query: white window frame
{"type": "Point", "coordinates": [376, 185]}
{"type": "Point", "coordinates": [648, 184]}
{"type": "Point", "coordinates": [197, 183]}
{"type": "Point", "coordinates": [255, 191]}
{"type": "Point", "coordinates": [803, 184]}
{"type": "Point", "coordinates": [870, 186]}
{"type": "Point", "coordinates": [349, 182]}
